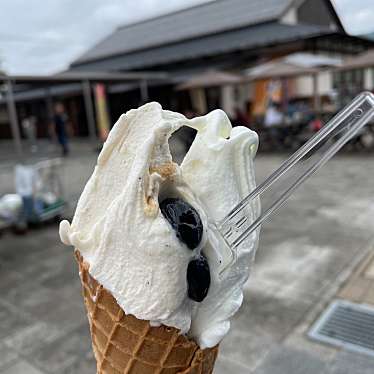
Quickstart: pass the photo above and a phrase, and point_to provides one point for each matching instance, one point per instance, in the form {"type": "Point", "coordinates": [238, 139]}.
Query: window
{"type": "Point", "coordinates": [348, 84]}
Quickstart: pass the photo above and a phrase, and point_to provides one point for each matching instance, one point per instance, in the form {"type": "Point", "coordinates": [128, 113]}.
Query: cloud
{"type": "Point", "coordinates": [356, 15]}
{"type": "Point", "coordinates": [42, 37]}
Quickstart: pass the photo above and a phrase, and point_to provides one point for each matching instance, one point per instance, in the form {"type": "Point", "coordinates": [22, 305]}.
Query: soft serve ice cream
{"type": "Point", "coordinates": [143, 222]}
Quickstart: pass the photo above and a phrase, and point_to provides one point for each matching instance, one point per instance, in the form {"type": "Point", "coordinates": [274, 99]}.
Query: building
{"type": "Point", "coordinates": [354, 76]}
{"type": "Point", "coordinates": [223, 34]}
{"type": "Point", "coordinates": [25, 99]}
{"type": "Point", "coordinates": [226, 35]}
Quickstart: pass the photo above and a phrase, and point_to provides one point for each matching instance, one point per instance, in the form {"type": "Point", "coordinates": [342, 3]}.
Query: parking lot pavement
{"type": "Point", "coordinates": [305, 253]}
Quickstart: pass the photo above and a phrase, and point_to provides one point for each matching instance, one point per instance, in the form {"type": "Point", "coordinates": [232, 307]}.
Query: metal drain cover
{"type": "Point", "coordinates": [346, 324]}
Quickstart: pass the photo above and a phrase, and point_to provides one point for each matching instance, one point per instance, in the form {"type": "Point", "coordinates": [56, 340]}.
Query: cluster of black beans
{"type": "Point", "coordinates": [189, 229]}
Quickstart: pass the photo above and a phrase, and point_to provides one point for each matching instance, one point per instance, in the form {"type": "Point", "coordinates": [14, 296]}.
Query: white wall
{"type": "Point", "coordinates": [227, 100]}
{"type": "Point", "coordinates": [368, 79]}
{"type": "Point", "coordinates": [290, 17]}
{"type": "Point", "coordinates": [235, 96]}
{"type": "Point", "coordinates": [304, 85]}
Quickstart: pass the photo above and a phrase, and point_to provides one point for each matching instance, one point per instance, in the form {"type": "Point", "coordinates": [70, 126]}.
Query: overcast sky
{"type": "Point", "coordinates": [41, 37]}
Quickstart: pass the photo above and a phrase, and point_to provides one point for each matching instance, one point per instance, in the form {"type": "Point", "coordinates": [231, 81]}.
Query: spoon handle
{"type": "Point", "coordinates": [280, 185]}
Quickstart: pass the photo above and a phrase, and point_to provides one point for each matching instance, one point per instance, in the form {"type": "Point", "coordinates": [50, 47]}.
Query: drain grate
{"type": "Point", "coordinates": [346, 324]}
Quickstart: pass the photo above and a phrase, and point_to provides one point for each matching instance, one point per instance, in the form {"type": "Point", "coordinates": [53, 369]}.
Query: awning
{"type": "Point", "coordinates": [364, 60]}
{"type": "Point", "coordinates": [211, 79]}
{"type": "Point", "coordinates": [280, 69]}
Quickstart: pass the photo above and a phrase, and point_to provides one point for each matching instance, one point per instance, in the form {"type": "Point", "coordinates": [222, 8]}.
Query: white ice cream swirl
{"type": "Point", "coordinates": [132, 249]}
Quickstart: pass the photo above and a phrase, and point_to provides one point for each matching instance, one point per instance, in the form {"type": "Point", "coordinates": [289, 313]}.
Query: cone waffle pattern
{"type": "Point", "coordinates": [123, 344]}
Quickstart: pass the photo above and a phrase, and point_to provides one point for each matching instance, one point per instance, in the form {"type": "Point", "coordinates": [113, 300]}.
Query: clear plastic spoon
{"type": "Point", "coordinates": [237, 226]}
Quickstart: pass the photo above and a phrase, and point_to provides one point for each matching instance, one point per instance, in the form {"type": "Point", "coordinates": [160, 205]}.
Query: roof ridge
{"type": "Point", "coordinates": [273, 11]}
{"type": "Point", "coordinates": [139, 22]}
{"type": "Point", "coordinates": [174, 42]}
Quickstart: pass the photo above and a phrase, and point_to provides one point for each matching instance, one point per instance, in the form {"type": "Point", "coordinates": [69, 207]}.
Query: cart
{"type": "Point", "coordinates": [41, 189]}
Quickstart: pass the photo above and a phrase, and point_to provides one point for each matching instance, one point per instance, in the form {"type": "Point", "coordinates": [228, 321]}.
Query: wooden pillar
{"type": "Point", "coordinates": [12, 113]}
{"type": "Point", "coordinates": [89, 110]}
{"type": "Point", "coordinates": [316, 97]}
{"type": "Point", "coordinates": [144, 91]}
{"type": "Point", "coordinates": [49, 105]}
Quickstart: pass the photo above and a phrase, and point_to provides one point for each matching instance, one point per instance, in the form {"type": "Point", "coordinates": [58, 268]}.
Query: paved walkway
{"type": "Point", "coordinates": [306, 253]}
{"type": "Point", "coordinates": [360, 286]}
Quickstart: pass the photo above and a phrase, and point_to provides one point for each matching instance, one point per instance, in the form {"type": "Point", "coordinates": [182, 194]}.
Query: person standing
{"type": "Point", "coordinates": [273, 121]}
{"type": "Point", "coordinates": [61, 121]}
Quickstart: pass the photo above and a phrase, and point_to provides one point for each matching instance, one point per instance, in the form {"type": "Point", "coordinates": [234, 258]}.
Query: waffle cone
{"type": "Point", "coordinates": [123, 344]}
